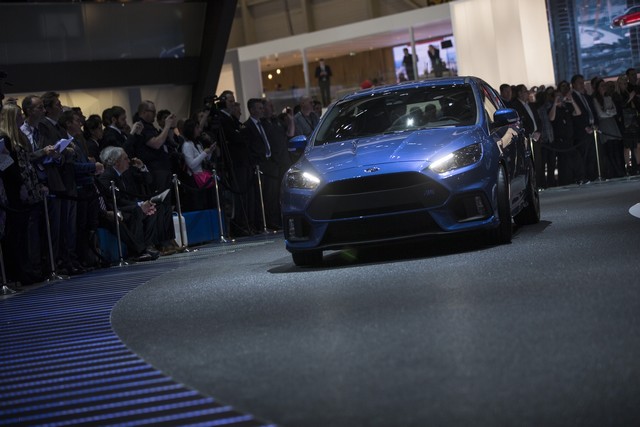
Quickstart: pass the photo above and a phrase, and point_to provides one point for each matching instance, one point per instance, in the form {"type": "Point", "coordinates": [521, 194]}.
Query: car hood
{"type": "Point", "coordinates": [420, 147]}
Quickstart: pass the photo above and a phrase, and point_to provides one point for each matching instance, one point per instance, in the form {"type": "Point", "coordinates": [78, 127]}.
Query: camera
{"type": "Point", "coordinates": [211, 104]}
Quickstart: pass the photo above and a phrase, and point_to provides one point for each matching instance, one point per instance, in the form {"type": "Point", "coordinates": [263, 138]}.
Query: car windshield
{"type": "Point", "coordinates": [399, 110]}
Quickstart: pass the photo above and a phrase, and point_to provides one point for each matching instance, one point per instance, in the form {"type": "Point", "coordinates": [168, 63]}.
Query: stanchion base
{"type": "Point", "coordinates": [186, 249]}
{"type": "Point", "coordinates": [122, 263]}
{"type": "Point", "coordinates": [55, 277]}
{"type": "Point", "coordinates": [8, 291]}
{"type": "Point", "coordinates": [269, 231]}
{"type": "Point", "coordinates": [225, 240]}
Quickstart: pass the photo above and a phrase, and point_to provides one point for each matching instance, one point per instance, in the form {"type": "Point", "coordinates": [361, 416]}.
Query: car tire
{"type": "Point", "coordinates": [307, 258]}
{"type": "Point", "coordinates": [503, 232]}
{"type": "Point", "coordinates": [530, 214]}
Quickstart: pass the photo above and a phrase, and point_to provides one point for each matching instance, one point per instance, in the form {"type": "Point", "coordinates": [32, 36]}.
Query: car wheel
{"type": "Point", "coordinates": [307, 259]}
{"type": "Point", "coordinates": [503, 232]}
{"type": "Point", "coordinates": [530, 214]}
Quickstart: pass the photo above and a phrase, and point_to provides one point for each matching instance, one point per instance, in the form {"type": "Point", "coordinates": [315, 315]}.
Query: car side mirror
{"type": "Point", "coordinates": [505, 116]}
{"type": "Point", "coordinates": [297, 144]}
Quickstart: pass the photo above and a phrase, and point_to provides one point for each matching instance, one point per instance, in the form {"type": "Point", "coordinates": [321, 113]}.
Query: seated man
{"type": "Point", "coordinates": [138, 225]}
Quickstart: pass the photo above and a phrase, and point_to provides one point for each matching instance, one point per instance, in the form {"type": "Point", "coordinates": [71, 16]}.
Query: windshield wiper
{"type": "Point", "coordinates": [391, 132]}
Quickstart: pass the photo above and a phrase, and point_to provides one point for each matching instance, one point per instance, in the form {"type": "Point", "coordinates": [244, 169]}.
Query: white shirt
{"type": "Point", "coordinates": [194, 156]}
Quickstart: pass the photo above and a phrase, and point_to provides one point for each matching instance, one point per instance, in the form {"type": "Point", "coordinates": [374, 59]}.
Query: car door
{"type": "Point", "coordinates": [511, 140]}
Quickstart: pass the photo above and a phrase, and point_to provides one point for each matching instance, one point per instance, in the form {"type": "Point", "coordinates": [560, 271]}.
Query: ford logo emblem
{"type": "Point", "coordinates": [371, 170]}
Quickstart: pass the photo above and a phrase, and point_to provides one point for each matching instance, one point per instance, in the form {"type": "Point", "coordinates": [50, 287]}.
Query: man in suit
{"type": "Point", "coordinates": [583, 128]}
{"type": "Point", "coordinates": [59, 205]}
{"type": "Point", "coordinates": [262, 155]}
{"type": "Point", "coordinates": [528, 115]}
{"type": "Point", "coordinates": [323, 74]}
{"type": "Point", "coordinates": [138, 226]}
{"type": "Point", "coordinates": [506, 94]}
{"type": "Point", "coordinates": [115, 134]}
{"type": "Point", "coordinates": [83, 213]}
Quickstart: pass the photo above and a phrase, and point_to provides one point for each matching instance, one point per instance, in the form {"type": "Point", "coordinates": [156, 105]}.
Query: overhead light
{"type": "Point", "coordinates": [278, 71]}
{"type": "Point", "coordinates": [270, 76]}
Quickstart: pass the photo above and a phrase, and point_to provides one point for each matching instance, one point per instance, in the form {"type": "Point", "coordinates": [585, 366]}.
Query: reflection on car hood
{"type": "Point", "coordinates": [417, 146]}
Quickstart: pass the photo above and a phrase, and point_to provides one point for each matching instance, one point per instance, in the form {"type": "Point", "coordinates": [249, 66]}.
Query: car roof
{"type": "Point", "coordinates": [412, 84]}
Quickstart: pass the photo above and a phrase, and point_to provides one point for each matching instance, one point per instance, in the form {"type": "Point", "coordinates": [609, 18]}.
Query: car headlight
{"type": "Point", "coordinates": [297, 178]}
{"type": "Point", "coordinates": [463, 157]}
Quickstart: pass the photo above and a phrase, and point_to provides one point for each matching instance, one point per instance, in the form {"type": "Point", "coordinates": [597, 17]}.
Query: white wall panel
{"type": "Point", "coordinates": [536, 42]}
{"type": "Point", "coordinates": [94, 101]}
{"type": "Point", "coordinates": [503, 41]}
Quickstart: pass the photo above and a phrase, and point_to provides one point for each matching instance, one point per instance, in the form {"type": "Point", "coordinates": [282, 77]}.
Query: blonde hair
{"type": "Point", "coordinates": [622, 80]}
{"type": "Point", "coordinates": [9, 126]}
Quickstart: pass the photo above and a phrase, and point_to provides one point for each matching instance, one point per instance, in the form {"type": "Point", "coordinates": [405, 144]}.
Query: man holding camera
{"type": "Point", "coordinates": [155, 147]}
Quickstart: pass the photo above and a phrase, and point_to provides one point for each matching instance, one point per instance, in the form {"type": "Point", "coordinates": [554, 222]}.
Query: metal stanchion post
{"type": "Point", "coordinates": [116, 217]}
{"type": "Point", "coordinates": [220, 222]}
{"type": "Point", "coordinates": [183, 247]}
{"type": "Point", "coordinates": [595, 140]}
{"type": "Point", "coordinates": [54, 275]}
{"type": "Point", "coordinates": [264, 218]}
{"type": "Point", "coordinates": [6, 290]}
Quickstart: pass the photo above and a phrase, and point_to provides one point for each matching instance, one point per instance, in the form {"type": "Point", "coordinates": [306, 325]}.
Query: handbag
{"type": "Point", "coordinates": [203, 179]}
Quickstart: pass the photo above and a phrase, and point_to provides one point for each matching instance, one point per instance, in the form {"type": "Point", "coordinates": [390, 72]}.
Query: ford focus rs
{"type": "Point", "coordinates": [407, 161]}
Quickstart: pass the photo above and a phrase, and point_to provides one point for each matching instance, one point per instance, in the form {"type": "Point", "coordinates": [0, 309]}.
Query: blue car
{"type": "Point", "coordinates": [408, 161]}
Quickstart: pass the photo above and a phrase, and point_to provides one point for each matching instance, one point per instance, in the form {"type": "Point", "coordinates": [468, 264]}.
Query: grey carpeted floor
{"type": "Point", "coordinates": [543, 331]}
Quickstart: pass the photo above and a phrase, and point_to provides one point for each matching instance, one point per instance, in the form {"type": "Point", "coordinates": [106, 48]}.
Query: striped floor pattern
{"type": "Point", "coordinates": [61, 364]}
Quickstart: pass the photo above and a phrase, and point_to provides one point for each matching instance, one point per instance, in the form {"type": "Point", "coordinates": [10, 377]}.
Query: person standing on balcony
{"type": "Point", "coordinates": [407, 63]}
{"type": "Point", "coordinates": [323, 74]}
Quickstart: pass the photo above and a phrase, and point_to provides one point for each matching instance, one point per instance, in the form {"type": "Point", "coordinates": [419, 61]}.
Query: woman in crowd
{"type": "Point", "coordinates": [195, 155]}
{"type": "Point", "coordinates": [198, 159]}
{"type": "Point", "coordinates": [25, 213]}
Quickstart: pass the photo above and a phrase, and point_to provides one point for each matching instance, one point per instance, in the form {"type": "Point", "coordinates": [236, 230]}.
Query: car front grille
{"type": "Point", "coordinates": [379, 228]}
{"type": "Point", "coordinates": [376, 195]}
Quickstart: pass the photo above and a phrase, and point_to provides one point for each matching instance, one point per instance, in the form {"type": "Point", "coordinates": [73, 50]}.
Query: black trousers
{"type": "Point", "coordinates": [138, 231]}
{"type": "Point", "coordinates": [87, 222]}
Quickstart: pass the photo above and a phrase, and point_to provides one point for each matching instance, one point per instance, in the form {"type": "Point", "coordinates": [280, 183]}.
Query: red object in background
{"type": "Point", "coordinates": [366, 84]}
{"type": "Point", "coordinates": [630, 18]}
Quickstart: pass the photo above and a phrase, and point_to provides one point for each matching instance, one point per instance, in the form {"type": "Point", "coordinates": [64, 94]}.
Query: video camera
{"type": "Point", "coordinates": [212, 105]}
{"type": "Point", "coordinates": [210, 102]}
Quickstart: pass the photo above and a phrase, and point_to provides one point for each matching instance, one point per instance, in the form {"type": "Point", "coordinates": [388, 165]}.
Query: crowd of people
{"type": "Point", "coordinates": [64, 175]}
{"type": "Point", "coordinates": [580, 135]}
